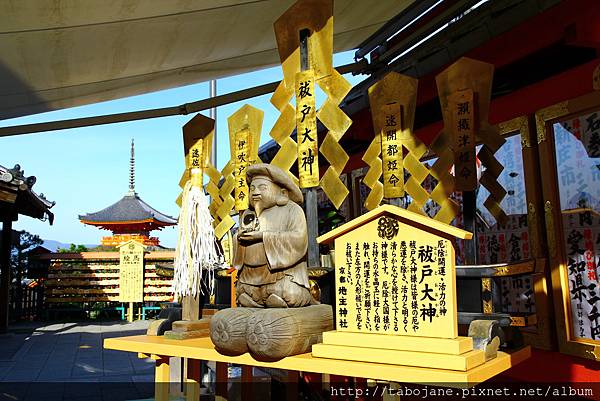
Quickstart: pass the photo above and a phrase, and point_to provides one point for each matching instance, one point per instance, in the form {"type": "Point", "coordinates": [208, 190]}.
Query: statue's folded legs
{"type": "Point", "coordinates": [282, 294]}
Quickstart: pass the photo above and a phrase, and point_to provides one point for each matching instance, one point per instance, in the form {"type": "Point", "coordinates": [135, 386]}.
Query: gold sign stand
{"type": "Point", "coordinates": [131, 274]}
{"type": "Point", "coordinates": [304, 36]}
{"type": "Point", "coordinates": [198, 136]}
{"type": "Point", "coordinates": [396, 293]}
{"type": "Point", "coordinates": [395, 150]}
{"type": "Point", "coordinates": [465, 90]}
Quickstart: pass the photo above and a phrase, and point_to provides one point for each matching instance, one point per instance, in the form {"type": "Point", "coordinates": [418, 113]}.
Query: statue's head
{"type": "Point", "coordinates": [270, 186]}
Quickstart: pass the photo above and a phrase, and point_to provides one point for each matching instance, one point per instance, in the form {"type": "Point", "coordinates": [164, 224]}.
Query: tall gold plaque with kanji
{"type": "Point", "coordinates": [465, 90]}
{"type": "Point", "coordinates": [244, 137]}
{"type": "Point", "coordinates": [131, 274]}
{"type": "Point", "coordinates": [300, 81]}
{"type": "Point", "coordinates": [396, 291]}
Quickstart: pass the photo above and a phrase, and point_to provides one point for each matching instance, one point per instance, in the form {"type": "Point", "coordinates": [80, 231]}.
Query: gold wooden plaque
{"type": "Point", "coordinates": [242, 156]}
{"type": "Point", "coordinates": [461, 106]}
{"type": "Point", "coordinates": [396, 274]}
{"type": "Point", "coordinates": [131, 274]}
{"type": "Point", "coordinates": [306, 123]}
{"type": "Point", "coordinates": [391, 152]}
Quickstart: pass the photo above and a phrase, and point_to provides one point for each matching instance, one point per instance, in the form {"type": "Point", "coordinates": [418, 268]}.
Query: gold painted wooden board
{"type": "Point", "coordinates": [203, 349]}
{"type": "Point", "coordinates": [391, 152]}
{"type": "Point", "coordinates": [131, 274]}
{"type": "Point", "coordinates": [461, 104]}
{"type": "Point", "coordinates": [463, 362]}
{"type": "Point", "coordinates": [396, 274]}
{"type": "Point", "coordinates": [306, 123]}
{"type": "Point", "coordinates": [241, 163]}
{"type": "Point", "coordinates": [403, 214]}
{"type": "Point", "coordinates": [453, 346]}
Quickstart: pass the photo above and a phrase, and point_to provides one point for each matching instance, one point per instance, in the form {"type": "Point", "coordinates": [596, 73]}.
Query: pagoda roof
{"type": "Point", "coordinates": [129, 209]}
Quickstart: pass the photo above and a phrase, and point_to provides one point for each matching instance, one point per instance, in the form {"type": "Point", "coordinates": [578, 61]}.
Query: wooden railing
{"type": "Point", "coordinates": [94, 277]}
{"type": "Point", "coordinates": [26, 305]}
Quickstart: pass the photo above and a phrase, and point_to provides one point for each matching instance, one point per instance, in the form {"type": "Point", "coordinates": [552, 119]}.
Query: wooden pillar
{"type": "Point", "coordinates": [232, 289]}
{"type": "Point", "coordinates": [161, 378]}
{"type": "Point", "coordinates": [310, 194]}
{"type": "Point", "coordinates": [469, 209]}
{"type": "Point", "coordinates": [291, 385]}
{"type": "Point", "coordinates": [130, 312]}
{"type": "Point", "coordinates": [246, 381]}
{"type": "Point", "coordinates": [5, 247]}
{"type": "Point", "coordinates": [193, 379]}
{"type": "Point", "coordinates": [192, 306]}
{"type": "Point", "coordinates": [221, 393]}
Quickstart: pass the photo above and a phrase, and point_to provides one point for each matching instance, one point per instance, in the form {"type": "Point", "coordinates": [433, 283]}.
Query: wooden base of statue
{"type": "Point", "coordinates": [194, 324]}
{"type": "Point", "coordinates": [228, 330]}
{"type": "Point", "coordinates": [270, 334]}
{"type": "Point", "coordinates": [184, 329]}
{"type": "Point", "coordinates": [460, 353]}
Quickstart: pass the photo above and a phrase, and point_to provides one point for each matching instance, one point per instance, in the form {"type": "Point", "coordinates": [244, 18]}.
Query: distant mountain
{"type": "Point", "coordinates": [54, 245]}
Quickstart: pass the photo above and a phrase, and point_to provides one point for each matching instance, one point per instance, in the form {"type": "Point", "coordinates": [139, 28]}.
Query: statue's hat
{"type": "Point", "coordinates": [278, 176]}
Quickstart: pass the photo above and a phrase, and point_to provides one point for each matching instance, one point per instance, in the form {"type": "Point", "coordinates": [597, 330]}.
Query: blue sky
{"type": "Point", "coordinates": [86, 169]}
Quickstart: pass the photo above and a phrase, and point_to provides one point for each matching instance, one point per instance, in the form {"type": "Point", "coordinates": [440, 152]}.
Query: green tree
{"type": "Point", "coordinates": [73, 249]}
{"type": "Point", "coordinates": [23, 243]}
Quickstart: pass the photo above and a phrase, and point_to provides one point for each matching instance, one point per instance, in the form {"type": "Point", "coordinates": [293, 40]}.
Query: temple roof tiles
{"type": "Point", "coordinates": [131, 208]}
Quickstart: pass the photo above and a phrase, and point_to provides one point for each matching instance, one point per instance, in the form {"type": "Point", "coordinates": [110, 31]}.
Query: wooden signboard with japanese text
{"type": "Point", "coordinates": [463, 133]}
{"type": "Point", "coordinates": [241, 163]}
{"type": "Point", "coordinates": [396, 274]}
{"type": "Point", "coordinates": [131, 276]}
{"type": "Point", "coordinates": [391, 152]}
{"type": "Point", "coordinates": [306, 121]}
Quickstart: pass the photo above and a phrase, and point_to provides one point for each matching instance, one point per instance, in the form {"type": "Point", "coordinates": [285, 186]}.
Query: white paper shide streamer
{"type": "Point", "coordinates": [197, 248]}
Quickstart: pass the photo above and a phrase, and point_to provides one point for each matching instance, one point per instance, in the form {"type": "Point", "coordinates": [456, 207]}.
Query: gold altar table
{"type": "Point", "coordinates": [161, 349]}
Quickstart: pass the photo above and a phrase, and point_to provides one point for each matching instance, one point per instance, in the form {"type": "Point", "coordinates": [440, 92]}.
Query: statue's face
{"type": "Point", "coordinates": [263, 193]}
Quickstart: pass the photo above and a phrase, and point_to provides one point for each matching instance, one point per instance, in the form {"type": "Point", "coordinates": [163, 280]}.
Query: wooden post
{"type": "Point", "coordinates": [6, 243]}
{"type": "Point", "coordinates": [232, 289]}
{"type": "Point", "coordinates": [221, 393]}
{"type": "Point", "coordinates": [130, 313]}
{"type": "Point", "coordinates": [310, 194]}
{"type": "Point", "coordinates": [246, 383]}
{"type": "Point", "coordinates": [161, 378]}
{"type": "Point", "coordinates": [291, 385]}
{"type": "Point", "coordinates": [193, 379]}
{"type": "Point", "coordinates": [469, 209]}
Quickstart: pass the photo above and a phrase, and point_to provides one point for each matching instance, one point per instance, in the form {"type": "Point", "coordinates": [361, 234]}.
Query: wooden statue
{"type": "Point", "coordinates": [277, 316]}
{"type": "Point", "coordinates": [271, 245]}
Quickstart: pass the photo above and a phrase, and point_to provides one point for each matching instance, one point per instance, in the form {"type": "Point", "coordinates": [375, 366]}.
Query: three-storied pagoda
{"type": "Point", "coordinates": [130, 217]}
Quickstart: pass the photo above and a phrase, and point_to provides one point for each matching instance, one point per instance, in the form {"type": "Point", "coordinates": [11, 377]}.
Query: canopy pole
{"type": "Point", "coordinates": [213, 160]}
{"type": "Point", "coordinates": [213, 115]}
{"type": "Point", "coordinates": [183, 109]}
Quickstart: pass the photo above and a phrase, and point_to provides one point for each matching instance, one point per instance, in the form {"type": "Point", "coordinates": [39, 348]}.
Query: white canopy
{"type": "Point", "coordinates": [63, 53]}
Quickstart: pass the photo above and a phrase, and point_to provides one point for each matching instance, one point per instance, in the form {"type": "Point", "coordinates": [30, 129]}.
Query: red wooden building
{"type": "Point", "coordinates": [130, 217]}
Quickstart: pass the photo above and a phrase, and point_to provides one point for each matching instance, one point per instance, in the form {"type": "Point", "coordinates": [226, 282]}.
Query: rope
{"type": "Point", "coordinates": [197, 248]}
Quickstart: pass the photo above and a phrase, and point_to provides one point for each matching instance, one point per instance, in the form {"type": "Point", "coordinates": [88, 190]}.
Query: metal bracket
{"type": "Point", "coordinates": [487, 336]}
